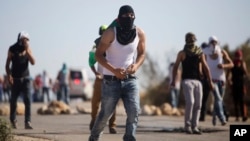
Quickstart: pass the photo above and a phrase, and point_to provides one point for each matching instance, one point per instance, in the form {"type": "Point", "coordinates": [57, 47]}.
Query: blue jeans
{"type": "Point", "coordinates": [112, 91]}
{"type": "Point", "coordinates": [1, 93]}
{"type": "Point", "coordinates": [63, 93]}
{"type": "Point", "coordinates": [218, 92]}
{"type": "Point", "coordinates": [175, 93]}
{"type": "Point", "coordinates": [21, 86]}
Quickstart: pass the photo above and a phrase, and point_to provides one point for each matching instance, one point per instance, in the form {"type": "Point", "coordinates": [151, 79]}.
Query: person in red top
{"type": "Point", "coordinates": [37, 84]}
{"type": "Point", "coordinates": [238, 74]}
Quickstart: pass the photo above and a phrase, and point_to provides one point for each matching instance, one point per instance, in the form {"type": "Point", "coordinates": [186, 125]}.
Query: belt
{"type": "Point", "coordinates": [114, 78]}
{"type": "Point", "coordinates": [218, 81]}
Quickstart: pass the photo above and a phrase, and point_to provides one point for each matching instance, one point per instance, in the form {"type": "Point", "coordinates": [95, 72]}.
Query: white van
{"type": "Point", "coordinates": [79, 84]}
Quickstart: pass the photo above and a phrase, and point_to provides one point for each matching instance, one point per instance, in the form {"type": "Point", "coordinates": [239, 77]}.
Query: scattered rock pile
{"type": "Point", "coordinates": [164, 109]}
{"type": "Point", "coordinates": [83, 110]}
{"type": "Point", "coordinates": [5, 110]}
{"type": "Point", "coordinates": [54, 108]}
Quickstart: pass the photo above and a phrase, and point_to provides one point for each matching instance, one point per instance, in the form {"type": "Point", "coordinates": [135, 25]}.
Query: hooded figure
{"type": "Point", "coordinates": [126, 31]}
{"type": "Point", "coordinates": [190, 48]}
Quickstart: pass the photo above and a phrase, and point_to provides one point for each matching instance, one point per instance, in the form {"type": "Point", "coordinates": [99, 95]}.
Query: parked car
{"type": "Point", "coordinates": [79, 84]}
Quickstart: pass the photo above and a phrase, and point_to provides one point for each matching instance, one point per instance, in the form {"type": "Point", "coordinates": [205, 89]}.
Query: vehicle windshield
{"type": "Point", "coordinates": [76, 75]}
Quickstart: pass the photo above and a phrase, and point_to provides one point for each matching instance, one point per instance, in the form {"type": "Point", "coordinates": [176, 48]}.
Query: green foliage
{"type": "Point", "coordinates": [5, 131]}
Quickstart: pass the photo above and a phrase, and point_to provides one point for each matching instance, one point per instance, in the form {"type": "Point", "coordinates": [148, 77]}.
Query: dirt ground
{"type": "Point", "coordinates": [25, 138]}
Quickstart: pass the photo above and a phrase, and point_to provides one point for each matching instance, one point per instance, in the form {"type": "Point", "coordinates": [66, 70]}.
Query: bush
{"type": "Point", "coordinates": [5, 131]}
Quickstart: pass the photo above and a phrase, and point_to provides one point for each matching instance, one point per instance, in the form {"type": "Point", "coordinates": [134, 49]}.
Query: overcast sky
{"type": "Point", "coordinates": [65, 30]}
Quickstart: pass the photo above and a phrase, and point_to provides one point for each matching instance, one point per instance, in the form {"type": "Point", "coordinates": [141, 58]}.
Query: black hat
{"type": "Point", "coordinates": [190, 35]}
{"type": "Point", "coordinates": [125, 9]}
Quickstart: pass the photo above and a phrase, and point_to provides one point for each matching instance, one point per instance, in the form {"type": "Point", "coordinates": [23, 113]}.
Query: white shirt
{"type": "Point", "coordinates": [214, 57]}
{"type": "Point", "coordinates": [45, 80]}
{"type": "Point", "coordinates": [121, 56]}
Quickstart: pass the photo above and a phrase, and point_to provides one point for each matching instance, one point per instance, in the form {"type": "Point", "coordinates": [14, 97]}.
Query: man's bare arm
{"type": "Point", "coordinates": [104, 44]}
{"type": "Point", "coordinates": [7, 67]}
{"type": "Point", "coordinates": [29, 52]}
{"type": "Point", "coordinates": [180, 57]}
{"type": "Point", "coordinates": [245, 68]}
{"type": "Point", "coordinates": [206, 70]}
{"type": "Point", "coordinates": [228, 62]}
{"type": "Point", "coordinates": [141, 53]}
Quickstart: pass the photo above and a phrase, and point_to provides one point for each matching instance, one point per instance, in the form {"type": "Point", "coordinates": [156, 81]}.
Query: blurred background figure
{"type": "Point", "coordinates": [1, 89]}
{"type": "Point", "coordinates": [205, 89]}
{"type": "Point", "coordinates": [63, 80]}
{"type": "Point", "coordinates": [17, 69]}
{"type": "Point", "coordinates": [6, 89]}
{"type": "Point", "coordinates": [191, 58]}
{"type": "Point", "coordinates": [37, 85]}
{"type": "Point", "coordinates": [96, 99]}
{"type": "Point", "coordinates": [46, 85]}
{"type": "Point", "coordinates": [236, 81]}
{"type": "Point", "coordinates": [175, 90]}
{"type": "Point", "coordinates": [218, 61]}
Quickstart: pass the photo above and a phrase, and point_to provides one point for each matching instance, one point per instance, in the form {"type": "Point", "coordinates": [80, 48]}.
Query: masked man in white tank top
{"type": "Point", "coordinates": [124, 45]}
{"type": "Point", "coordinates": [218, 60]}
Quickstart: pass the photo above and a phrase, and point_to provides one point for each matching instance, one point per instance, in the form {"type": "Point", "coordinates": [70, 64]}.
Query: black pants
{"type": "Point", "coordinates": [20, 86]}
{"type": "Point", "coordinates": [238, 99]}
{"type": "Point", "coordinates": [206, 91]}
{"type": "Point", "coordinates": [45, 90]}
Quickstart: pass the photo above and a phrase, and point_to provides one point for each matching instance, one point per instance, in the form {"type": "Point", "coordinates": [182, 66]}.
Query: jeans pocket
{"type": "Point", "coordinates": [108, 82]}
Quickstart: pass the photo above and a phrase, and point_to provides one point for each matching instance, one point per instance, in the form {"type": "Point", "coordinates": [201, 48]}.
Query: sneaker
{"type": "Point", "coordinates": [197, 131]}
{"type": "Point", "coordinates": [14, 124]}
{"type": "Point", "coordinates": [189, 130]}
{"type": "Point", "coordinates": [28, 125]}
{"type": "Point", "coordinates": [223, 123]}
{"type": "Point", "coordinates": [244, 119]}
{"type": "Point", "coordinates": [112, 130]}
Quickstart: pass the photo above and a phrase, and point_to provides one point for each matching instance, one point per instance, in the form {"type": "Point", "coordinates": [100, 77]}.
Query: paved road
{"type": "Point", "coordinates": [150, 128]}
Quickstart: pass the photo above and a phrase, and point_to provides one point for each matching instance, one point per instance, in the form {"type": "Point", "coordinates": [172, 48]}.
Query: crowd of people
{"type": "Point", "coordinates": [198, 81]}
{"type": "Point", "coordinates": [119, 52]}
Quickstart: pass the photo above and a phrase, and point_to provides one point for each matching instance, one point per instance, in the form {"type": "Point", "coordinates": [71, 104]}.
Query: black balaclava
{"type": "Point", "coordinates": [126, 32]}
{"type": "Point", "coordinates": [126, 23]}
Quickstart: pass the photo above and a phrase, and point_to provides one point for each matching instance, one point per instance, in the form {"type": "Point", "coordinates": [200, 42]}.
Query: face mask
{"type": "Point", "coordinates": [20, 47]}
{"type": "Point", "coordinates": [126, 23]}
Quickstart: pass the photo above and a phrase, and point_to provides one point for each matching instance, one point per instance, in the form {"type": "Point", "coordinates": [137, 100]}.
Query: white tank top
{"type": "Point", "coordinates": [121, 56]}
{"type": "Point", "coordinates": [213, 61]}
